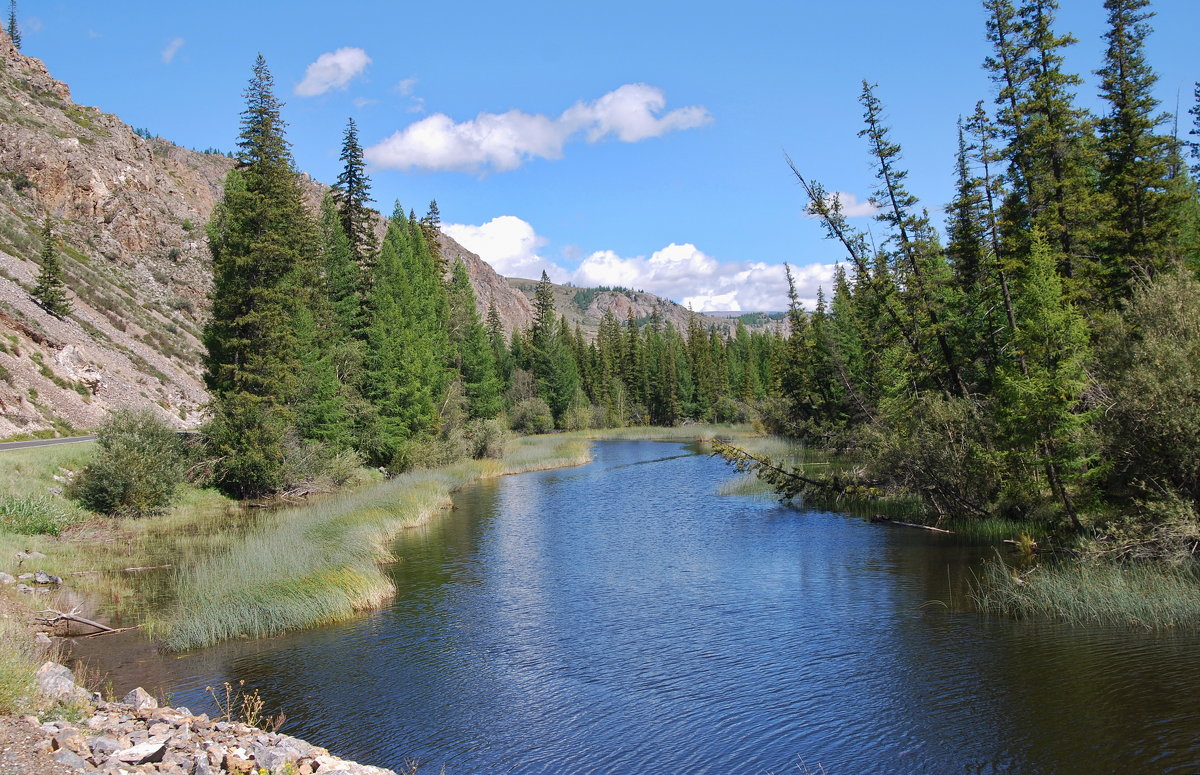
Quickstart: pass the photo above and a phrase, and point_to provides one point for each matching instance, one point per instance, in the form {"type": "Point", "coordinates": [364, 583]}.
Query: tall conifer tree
{"type": "Point", "coordinates": [49, 291]}
{"type": "Point", "coordinates": [262, 244]}
{"type": "Point", "coordinates": [1135, 170]}
{"type": "Point", "coordinates": [352, 194]}
{"type": "Point", "coordinates": [14, 32]}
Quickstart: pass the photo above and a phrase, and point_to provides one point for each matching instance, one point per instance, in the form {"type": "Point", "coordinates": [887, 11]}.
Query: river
{"type": "Point", "coordinates": [622, 617]}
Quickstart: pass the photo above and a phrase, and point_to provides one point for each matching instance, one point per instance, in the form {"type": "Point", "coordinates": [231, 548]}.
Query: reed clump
{"type": "Point", "coordinates": [1146, 595]}
{"type": "Point", "coordinates": [319, 564]}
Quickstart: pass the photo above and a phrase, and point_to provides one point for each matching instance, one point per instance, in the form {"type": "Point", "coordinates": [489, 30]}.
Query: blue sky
{"type": "Point", "coordinates": [628, 143]}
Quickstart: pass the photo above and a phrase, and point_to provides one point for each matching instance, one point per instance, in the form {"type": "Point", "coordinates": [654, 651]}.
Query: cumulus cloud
{"type": "Point", "coordinates": [852, 207]}
{"type": "Point", "coordinates": [681, 272]}
{"type": "Point", "coordinates": [405, 87]}
{"type": "Point", "coordinates": [510, 245]}
{"type": "Point", "coordinates": [690, 276]}
{"type": "Point", "coordinates": [333, 70]}
{"type": "Point", "coordinates": [505, 141]}
{"type": "Point", "coordinates": [168, 53]}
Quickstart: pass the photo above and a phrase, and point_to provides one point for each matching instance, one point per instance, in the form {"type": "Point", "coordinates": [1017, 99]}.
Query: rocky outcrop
{"type": "Point", "coordinates": [128, 214]}
{"type": "Point", "coordinates": [137, 736]}
{"type": "Point", "coordinates": [514, 307]}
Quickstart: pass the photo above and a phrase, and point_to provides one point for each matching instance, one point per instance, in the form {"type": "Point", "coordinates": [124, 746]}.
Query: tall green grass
{"type": "Point", "coordinates": [315, 565]}
{"type": "Point", "coordinates": [694, 432]}
{"type": "Point", "coordinates": [35, 515]}
{"type": "Point", "coordinates": [18, 664]}
{"type": "Point", "coordinates": [1139, 596]}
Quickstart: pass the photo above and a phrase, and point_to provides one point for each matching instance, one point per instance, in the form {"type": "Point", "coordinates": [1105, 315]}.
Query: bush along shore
{"type": "Point", "coordinates": [138, 736]}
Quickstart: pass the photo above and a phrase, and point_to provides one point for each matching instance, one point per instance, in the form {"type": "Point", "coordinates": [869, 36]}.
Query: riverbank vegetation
{"type": "Point", "coordinates": [1038, 362]}
{"type": "Point", "coordinates": [319, 564]}
{"type": "Point", "coordinates": [328, 344]}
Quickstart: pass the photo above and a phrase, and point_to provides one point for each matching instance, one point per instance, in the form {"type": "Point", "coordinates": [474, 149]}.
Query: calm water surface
{"type": "Point", "coordinates": [621, 617]}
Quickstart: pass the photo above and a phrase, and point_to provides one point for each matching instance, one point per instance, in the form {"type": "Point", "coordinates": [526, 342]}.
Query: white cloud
{"type": "Point", "coordinates": [505, 141]}
{"type": "Point", "coordinates": [405, 87]}
{"type": "Point", "coordinates": [168, 53]}
{"type": "Point", "coordinates": [333, 70]}
{"type": "Point", "coordinates": [93, 34]}
{"type": "Point", "coordinates": [692, 277]}
{"type": "Point", "coordinates": [851, 206]}
{"type": "Point", "coordinates": [362, 102]}
{"type": "Point", "coordinates": [509, 244]}
{"type": "Point", "coordinates": [630, 112]}
{"type": "Point", "coordinates": [681, 272]}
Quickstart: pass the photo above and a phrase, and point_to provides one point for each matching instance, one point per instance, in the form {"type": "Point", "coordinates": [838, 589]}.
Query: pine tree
{"type": "Point", "coordinates": [49, 291]}
{"type": "Point", "coordinates": [262, 243]}
{"type": "Point", "coordinates": [352, 194]}
{"type": "Point", "coordinates": [1041, 393]}
{"type": "Point", "coordinates": [919, 269]}
{"type": "Point", "coordinates": [406, 371]}
{"type": "Point", "coordinates": [550, 354]}
{"type": "Point", "coordinates": [431, 225]}
{"type": "Point", "coordinates": [1195, 130]}
{"type": "Point", "coordinates": [340, 274]}
{"type": "Point", "coordinates": [1058, 151]}
{"type": "Point", "coordinates": [14, 32]}
{"type": "Point", "coordinates": [471, 351]}
{"type": "Point", "coordinates": [1135, 168]}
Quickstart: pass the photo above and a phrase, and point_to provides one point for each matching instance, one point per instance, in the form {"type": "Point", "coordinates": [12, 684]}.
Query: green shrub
{"type": "Point", "coordinates": [1148, 388]}
{"type": "Point", "coordinates": [487, 438]}
{"type": "Point", "coordinates": [137, 468]}
{"type": "Point", "coordinates": [531, 416]}
{"type": "Point", "coordinates": [36, 516]}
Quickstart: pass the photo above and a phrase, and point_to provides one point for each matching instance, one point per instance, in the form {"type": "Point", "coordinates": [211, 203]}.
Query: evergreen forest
{"type": "Point", "coordinates": [1035, 358]}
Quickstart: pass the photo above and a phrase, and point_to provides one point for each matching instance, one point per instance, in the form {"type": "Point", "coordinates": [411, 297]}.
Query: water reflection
{"type": "Point", "coordinates": [620, 617]}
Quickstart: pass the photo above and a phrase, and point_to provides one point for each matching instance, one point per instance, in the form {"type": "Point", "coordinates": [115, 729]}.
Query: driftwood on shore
{"type": "Point", "coordinates": [52, 617]}
{"type": "Point", "coordinates": [888, 521]}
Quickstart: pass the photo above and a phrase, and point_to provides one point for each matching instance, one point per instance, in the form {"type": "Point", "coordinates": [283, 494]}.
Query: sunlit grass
{"type": "Point", "coordinates": [18, 663]}
{"type": "Point", "coordinates": [691, 432]}
{"type": "Point", "coordinates": [1137, 596]}
{"type": "Point", "coordinates": [309, 566]}
{"type": "Point", "coordinates": [31, 471]}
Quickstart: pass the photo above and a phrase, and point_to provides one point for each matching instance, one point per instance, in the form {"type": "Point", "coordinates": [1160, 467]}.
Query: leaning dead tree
{"type": "Point", "coordinates": [789, 482]}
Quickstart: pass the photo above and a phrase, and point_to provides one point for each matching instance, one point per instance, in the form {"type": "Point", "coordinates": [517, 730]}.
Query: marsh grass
{"type": "Point", "coordinates": [34, 515]}
{"type": "Point", "coordinates": [18, 664]}
{"type": "Point", "coordinates": [319, 564]}
{"type": "Point", "coordinates": [1139, 596]}
{"type": "Point", "coordinates": [694, 432]}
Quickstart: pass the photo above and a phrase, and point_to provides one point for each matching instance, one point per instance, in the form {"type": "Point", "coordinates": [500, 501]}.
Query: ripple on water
{"type": "Point", "coordinates": [620, 617]}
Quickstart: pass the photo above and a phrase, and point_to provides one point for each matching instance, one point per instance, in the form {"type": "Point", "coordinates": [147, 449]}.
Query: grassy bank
{"type": "Point", "coordinates": [319, 564]}
{"type": "Point", "coordinates": [1143, 596]}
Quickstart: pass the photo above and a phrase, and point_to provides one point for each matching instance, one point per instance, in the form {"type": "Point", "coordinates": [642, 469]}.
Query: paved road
{"type": "Point", "coordinates": [44, 442]}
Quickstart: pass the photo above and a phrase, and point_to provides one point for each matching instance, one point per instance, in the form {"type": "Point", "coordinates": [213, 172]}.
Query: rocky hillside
{"type": "Point", "coordinates": [128, 214]}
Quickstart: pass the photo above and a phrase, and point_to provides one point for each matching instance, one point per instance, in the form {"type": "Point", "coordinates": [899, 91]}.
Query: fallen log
{"type": "Point", "coordinates": [110, 632]}
{"type": "Point", "coordinates": [72, 616]}
{"type": "Point", "coordinates": [888, 521]}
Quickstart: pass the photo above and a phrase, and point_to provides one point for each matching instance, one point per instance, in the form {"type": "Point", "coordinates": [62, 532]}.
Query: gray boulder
{"type": "Point", "coordinates": [57, 682]}
{"type": "Point", "coordinates": [42, 577]}
{"type": "Point", "coordinates": [140, 699]}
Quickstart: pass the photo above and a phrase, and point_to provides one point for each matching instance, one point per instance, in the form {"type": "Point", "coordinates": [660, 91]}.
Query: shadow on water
{"type": "Point", "coordinates": [622, 617]}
